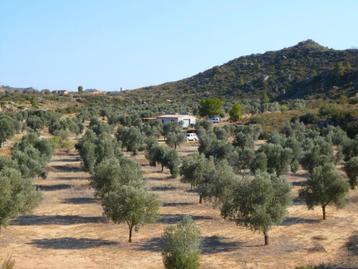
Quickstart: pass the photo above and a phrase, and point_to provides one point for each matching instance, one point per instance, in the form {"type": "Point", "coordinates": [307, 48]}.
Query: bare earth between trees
{"type": "Point", "coordinates": [68, 229]}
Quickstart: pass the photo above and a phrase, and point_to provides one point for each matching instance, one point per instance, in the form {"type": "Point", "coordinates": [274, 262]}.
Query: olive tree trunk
{"type": "Point", "coordinates": [266, 237]}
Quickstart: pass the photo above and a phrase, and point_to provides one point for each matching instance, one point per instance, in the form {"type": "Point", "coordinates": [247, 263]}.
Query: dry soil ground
{"type": "Point", "coordinates": [68, 231]}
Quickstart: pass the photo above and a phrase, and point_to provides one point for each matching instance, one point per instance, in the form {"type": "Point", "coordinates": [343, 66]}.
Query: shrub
{"type": "Point", "coordinates": [181, 245]}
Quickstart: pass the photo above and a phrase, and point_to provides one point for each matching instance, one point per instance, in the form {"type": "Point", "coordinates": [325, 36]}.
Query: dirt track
{"type": "Point", "coordinates": [68, 231]}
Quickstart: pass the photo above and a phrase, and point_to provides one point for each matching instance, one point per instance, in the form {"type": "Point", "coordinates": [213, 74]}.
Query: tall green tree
{"type": "Point", "coordinates": [132, 205]}
{"type": "Point", "coordinates": [259, 203]}
{"type": "Point", "coordinates": [210, 107]}
{"type": "Point", "coordinates": [325, 186]}
{"type": "Point", "coordinates": [236, 112]}
{"type": "Point", "coordinates": [181, 248]}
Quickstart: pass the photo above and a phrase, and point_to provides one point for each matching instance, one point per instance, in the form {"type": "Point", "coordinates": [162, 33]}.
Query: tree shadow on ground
{"type": "Point", "coordinates": [352, 244]}
{"type": "Point", "coordinates": [56, 187]}
{"type": "Point", "coordinates": [56, 220]}
{"type": "Point", "coordinates": [69, 160]}
{"type": "Point", "coordinates": [165, 204]}
{"type": "Point", "coordinates": [79, 200]}
{"type": "Point", "coordinates": [71, 243]}
{"type": "Point", "coordinates": [65, 168]}
{"type": "Point", "coordinates": [155, 179]}
{"type": "Point", "coordinates": [216, 244]}
{"type": "Point", "coordinates": [70, 178]}
{"type": "Point", "coordinates": [298, 183]}
{"type": "Point", "coordinates": [163, 188]}
{"type": "Point", "coordinates": [209, 245]}
{"type": "Point", "coordinates": [154, 244]}
{"type": "Point", "coordinates": [297, 220]}
{"type": "Point", "coordinates": [176, 218]}
{"type": "Point", "coordinates": [298, 201]}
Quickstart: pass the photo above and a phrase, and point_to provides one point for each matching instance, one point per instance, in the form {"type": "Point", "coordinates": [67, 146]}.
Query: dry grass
{"type": "Point", "coordinates": [68, 231]}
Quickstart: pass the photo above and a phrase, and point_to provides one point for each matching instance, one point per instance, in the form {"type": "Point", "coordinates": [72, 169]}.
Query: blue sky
{"type": "Point", "coordinates": [109, 44]}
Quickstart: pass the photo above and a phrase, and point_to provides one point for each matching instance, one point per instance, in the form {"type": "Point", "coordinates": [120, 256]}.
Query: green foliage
{"type": "Point", "coordinates": [350, 148]}
{"type": "Point", "coordinates": [196, 170]}
{"type": "Point", "coordinates": [115, 172]}
{"type": "Point", "coordinates": [131, 138]}
{"type": "Point", "coordinates": [246, 135]}
{"type": "Point", "coordinates": [210, 107]}
{"type": "Point", "coordinates": [258, 203]}
{"type": "Point", "coordinates": [236, 112]}
{"type": "Point", "coordinates": [95, 148]}
{"type": "Point", "coordinates": [132, 205]}
{"type": "Point", "coordinates": [67, 125]}
{"type": "Point", "coordinates": [181, 247]}
{"type": "Point", "coordinates": [320, 153]}
{"type": "Point", "coordinates": [351, 168]}
{"type": "Point", "coordinates": [278, 158]}
{"type": "Point", "coordinates": [207, 142]}
{"type": "Point", "coordinates": [35, 122]}
{"type": "Point", "coordinates": [220, 183]}
{"type": "Point", "coordinates": [173, 139]}
{"type": "Point", "coordinates": [7, 129]}
{"type": "Point", "coordinates": [264, 96]}
{"type": "Point", "coordinates": [171, 161]}
{"type": "Point", "coordinates": [32, 155]}
{"type": "Point", "coordinates": [325, 186]}
{"type": "Point", "coordinates": [259, 162]}
{"type": "Point", "coordinates": [17, 195]}
{"type": "Point", "coordinates": [164, 156]}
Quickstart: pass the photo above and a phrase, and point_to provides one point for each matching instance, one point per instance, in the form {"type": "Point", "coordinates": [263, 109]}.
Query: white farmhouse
{"type": "Point", "coordinates": [185, 120]}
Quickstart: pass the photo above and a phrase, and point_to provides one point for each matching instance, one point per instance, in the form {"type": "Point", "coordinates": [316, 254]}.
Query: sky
{"type": "Point", "coordinates": [113, 44]}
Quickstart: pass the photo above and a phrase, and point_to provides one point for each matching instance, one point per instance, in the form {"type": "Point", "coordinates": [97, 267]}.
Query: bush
{"type": "Point", "coordinates": [181, 245]}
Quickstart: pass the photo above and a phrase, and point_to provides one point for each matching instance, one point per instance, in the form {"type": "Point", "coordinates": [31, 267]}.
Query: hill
{"type": "Point", "coordinates": [305, 70]}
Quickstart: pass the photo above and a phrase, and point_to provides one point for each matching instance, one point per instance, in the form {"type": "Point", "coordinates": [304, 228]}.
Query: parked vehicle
{"type": "Point", "coordinates": [192, 137]}
{"type": "Point", "coordinates": [215, 119]}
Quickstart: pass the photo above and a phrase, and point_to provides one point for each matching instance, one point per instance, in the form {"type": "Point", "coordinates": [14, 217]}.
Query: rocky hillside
{"type": "Point", "coordinates": [302, 71]}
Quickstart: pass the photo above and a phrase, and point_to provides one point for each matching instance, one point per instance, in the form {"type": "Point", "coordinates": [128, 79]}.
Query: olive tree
{"type": "Point", "coordinates": [258, 203]}
{"type": "Point", "coordinates": [325, 186]}
{"type": "Point", "coordinates": [181, 245]}
{"type": "Point", "coordinates": [259, 162]}
{"type": "Point", "coordinates": [17, 195]}
{"type": "Point", "coordinates": [35, 122]}
{"type": "Point", "coordinates": [278, 158]}
{"type": "Point", "coordinates": [170, 159]}
{"type": "Point", "coordinates": [196, 170]}
{"type": "Point", "coordinates": [112, 172]}
{"type": "Point", "coordinates": [320, 154]}
{"type": "Point", "coordinates": [132, 205]}
{"type": "Point", "coordinates": [351, 168]}
{"type": "Point", "coordinates": [7, 129]}
{"type": "Point", "coordinates": [174, 139]}
{"type": "Point", "coordinates": [131, 138]}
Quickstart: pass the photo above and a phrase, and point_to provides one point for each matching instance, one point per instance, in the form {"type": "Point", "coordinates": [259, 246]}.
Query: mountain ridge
{"type": "Point", "coordinates": [285, 73]}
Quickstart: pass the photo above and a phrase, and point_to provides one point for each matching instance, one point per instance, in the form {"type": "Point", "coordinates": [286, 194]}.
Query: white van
{"type": "Point", "coordinates": [192, 137]}
{"type": "Point", "coordinates": [215, 119]}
